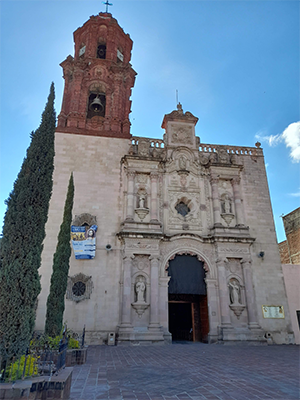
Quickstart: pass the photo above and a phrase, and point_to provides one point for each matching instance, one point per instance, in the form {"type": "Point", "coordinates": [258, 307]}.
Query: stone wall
{"type": "Point", "coordinates": [290, 248]}
{"type": "Point", "coordinates": [291, 275]}
{"type": "Point", "coordinates": [95, 163]}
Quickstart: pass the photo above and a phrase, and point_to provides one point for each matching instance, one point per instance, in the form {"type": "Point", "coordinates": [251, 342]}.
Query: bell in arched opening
{"type": "Point", "coordinates": [96, 105]}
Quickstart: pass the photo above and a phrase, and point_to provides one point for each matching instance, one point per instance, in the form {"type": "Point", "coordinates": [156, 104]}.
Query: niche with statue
{"type": "Point", "coordinates": [140, 303]}
{"type": "Point", "coordinates": [141, 204]}
{"type": "Point", "coordinates": [236, 296]}
{"type": "Point", "coordinates": [227, 208]}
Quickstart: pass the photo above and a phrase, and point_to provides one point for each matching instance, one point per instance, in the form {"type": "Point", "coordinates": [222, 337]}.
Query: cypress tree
{"type": "Point", "coordinates": [23, 235]}
{"type": "Point", "coordinates": [59, 277]}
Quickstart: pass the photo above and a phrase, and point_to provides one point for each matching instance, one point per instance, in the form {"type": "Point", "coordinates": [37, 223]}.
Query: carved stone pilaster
{"type": "Point", "coordinates": [223, 295]}
{"type": "Point", "coordinates": [154, 299]}
{"type": "Point", "coordinates": [126, 303]}
{"type": "Point", "coordinates": [237, 201]}
{"type": "Point", "coordinates": [154, 198]}
{"type": "Point", "coordinates": [250, 299]}
{"type": "Point", "coordinates": [215, 198]}
{"type": "Point", "coordinates": [130, 196]}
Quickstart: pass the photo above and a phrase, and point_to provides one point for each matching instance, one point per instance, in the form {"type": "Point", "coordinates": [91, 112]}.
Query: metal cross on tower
{"type": "Point", "coordinates": [107, 4]}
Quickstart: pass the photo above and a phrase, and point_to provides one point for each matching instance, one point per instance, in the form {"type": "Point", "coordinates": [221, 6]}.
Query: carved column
{"type": "Point", "coordinates": [223, 295]}
{"type": "Point", "coordinates": [154, 200]}
{"type": "Point", "coordinates": [130, 196]}
{"type": "Point", "coordinates": [251, 304]}
{"type": "Point", "coordinates": [126, 301]}
{"type": "Point", "coordinates": [238, 201]}
{"type": "Point", "coordinates": [154, 300]}
{"type": "Point", "coordinates": [215, 198]}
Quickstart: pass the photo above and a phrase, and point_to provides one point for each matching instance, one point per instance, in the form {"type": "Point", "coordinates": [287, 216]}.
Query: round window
{"type": "Point", "coordinates": [79, 289]}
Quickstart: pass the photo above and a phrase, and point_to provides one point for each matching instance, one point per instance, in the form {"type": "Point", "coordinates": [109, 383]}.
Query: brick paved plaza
{"type": "Point", "coordinates": [188, 371]}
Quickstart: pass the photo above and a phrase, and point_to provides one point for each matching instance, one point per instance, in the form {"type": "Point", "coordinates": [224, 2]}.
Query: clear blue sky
{"type": "Point", "coordinates": [234, 63]}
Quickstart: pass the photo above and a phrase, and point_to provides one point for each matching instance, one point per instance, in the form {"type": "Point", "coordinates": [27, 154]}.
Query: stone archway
{"type": "Point", "coordinates": [194, 247]}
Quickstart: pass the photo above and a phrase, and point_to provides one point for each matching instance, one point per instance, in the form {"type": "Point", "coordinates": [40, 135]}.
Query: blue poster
{"type": "Point", "coordinates": [84, 241]}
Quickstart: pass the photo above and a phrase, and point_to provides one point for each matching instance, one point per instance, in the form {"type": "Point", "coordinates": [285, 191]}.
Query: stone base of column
{"type": "Point", "coordinates": [253, 325]}
{"type": "Point", "coordinates": [226, 325]}
{"type": "Point", "coordinates": [154, 327]}
{"type": "Point", "coordinates": [125, 328]}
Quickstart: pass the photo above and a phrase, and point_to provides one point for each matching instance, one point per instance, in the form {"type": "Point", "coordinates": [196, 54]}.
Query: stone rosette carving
{"type": "Point", "coordinates": [79, 287]}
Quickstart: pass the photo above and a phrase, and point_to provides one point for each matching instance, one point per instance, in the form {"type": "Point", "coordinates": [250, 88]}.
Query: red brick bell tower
{"type": "Point", "coordinates": [98, 81]}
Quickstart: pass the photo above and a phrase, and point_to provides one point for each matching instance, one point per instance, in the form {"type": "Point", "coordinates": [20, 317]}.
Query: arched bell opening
{"type": "Point", "coordinates": [101, 51]}
{"type": "Point", "coordinates": [187, 298]}
{"type": "Point", "coordinates": [96, 105]}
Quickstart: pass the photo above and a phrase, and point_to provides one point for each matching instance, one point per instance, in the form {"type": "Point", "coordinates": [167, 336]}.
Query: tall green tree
{"type": "Point", "coordinates": [59, 277]}
{"type": "Point", "coordinates": [23, 235]}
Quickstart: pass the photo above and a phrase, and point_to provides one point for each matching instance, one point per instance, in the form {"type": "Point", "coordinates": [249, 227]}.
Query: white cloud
{"type": "Point", "coordinates": [290, 136]}
{"type": "Point", "coordinates": [297, 194]}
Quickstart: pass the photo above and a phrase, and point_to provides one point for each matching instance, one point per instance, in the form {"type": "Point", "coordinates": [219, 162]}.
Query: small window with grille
{"type": "Point", "coordinates": [182, 209]}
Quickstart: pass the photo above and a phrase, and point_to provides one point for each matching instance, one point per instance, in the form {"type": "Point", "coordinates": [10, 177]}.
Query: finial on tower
{"type": "Point", "coordinates": [179, 108]}
{"type": "Point", "coordinates": [107, 4]}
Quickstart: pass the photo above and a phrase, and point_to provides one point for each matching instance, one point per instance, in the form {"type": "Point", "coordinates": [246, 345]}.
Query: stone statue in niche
{"type": "Point", "coordinates": [142, 199]}
{"type": "Point", "coordinates": [182, 163]}
{"type": "Point", "coordinates": [142, 211]}
{"type": "Point", "coordinates": [234, 291]}
{"type": "Point", "coordinates": [226, 205]}
{"type": "Point", "coordinates": [140, 289]}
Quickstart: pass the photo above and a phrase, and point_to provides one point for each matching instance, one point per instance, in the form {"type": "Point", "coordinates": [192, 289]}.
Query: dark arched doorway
{"type": "Point", "coordinates": [188, 313]}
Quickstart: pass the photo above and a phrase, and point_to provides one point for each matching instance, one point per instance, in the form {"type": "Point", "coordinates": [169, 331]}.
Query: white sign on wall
{"type": "Point", "coordinates": [273, 311]}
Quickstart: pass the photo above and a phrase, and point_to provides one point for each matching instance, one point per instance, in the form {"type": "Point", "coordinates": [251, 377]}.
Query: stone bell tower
{"type": "Point", "coordinates": [98, 81]}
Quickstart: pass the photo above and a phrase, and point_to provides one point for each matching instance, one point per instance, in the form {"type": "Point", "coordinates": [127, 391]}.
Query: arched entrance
{"type": "Point", "coordinates": [187, 296]}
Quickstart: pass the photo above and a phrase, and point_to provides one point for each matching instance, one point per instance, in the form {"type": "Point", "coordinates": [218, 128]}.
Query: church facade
{"type": "Point", "coordinates": [173, 239]}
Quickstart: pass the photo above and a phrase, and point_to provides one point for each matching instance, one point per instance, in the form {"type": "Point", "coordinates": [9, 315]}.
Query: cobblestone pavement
{"type": "Point", "coordinates": [188, 371]}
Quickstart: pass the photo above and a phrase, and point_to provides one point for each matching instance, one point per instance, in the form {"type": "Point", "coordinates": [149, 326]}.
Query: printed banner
{"type": "Point", "coordinates": [84, 241]}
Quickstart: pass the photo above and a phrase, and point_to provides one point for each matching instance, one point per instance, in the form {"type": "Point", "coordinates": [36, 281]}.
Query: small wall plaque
{"type": "Point", "coordinates": [273, 311]}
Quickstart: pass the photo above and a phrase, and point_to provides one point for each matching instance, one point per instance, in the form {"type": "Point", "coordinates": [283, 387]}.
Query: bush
{"type": "Point", "coordinates": [46, 341]}
{"type": "Point", "coordinates": [15, 370]}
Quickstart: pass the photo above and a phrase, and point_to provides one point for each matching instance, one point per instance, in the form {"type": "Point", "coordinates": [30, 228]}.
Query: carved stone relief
{"type": "Point", "coordinates": [142, 178]}
{"type": "Point", "coordinates": [141, 263]}
{"type": "Point", "coordinates": [182, 134]}
{"type": "Point", "coordinates": [143, 148]}
{"type": "Point", "coordinates": [192, 202]}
